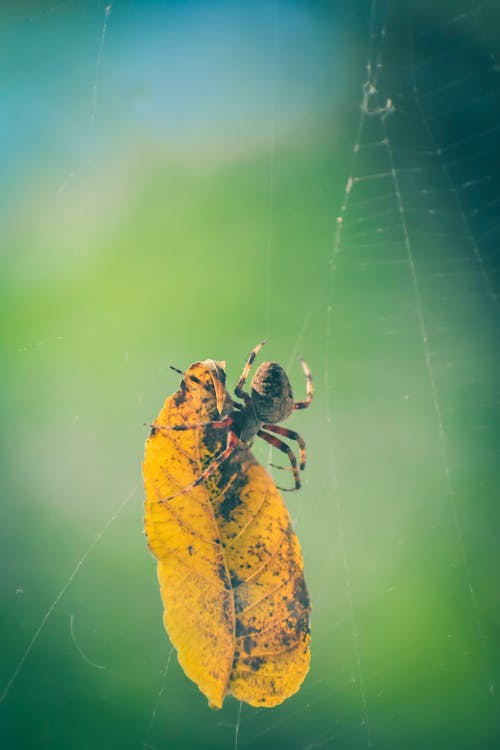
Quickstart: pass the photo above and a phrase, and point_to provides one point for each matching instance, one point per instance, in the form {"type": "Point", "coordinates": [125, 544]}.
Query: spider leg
{"type": "Point", "coordinates": [309, 387]}
{"type": "Point", "coordinates": [191, 377]}
{"type": "Point", "coordinates": [216, 424]}
{"type": "Point", "coordinates": [284, 448]}
{"type": "Point", "coordinates": [232, 442]}
{"type": "Point", "coordinates": [240, 393]}
{"type": "Point", "coordinates": [291, 435]}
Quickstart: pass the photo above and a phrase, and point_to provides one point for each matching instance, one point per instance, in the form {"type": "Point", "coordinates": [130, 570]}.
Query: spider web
{"type": "Point", "coordinates": [370, 213]}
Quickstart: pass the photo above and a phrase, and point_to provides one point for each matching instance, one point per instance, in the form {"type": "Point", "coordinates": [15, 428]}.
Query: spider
{"type": "Point", "coordinates": [270, 401]}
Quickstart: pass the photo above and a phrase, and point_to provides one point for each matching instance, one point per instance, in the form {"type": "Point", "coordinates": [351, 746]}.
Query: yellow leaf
{"type": "Point", "coordinates": [229, 564]}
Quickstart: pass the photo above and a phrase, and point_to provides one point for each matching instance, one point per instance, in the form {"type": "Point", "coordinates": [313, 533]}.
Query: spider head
{"type": "Point", "coordinates": [271, 393]}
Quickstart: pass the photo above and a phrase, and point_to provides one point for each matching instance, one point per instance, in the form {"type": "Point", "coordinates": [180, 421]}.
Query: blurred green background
{"type": "Point", "coordinates": [179, 181]}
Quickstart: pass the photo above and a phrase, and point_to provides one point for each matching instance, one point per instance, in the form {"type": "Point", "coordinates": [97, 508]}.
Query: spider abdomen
{"type": "Point", "coordinates": [271, 393]}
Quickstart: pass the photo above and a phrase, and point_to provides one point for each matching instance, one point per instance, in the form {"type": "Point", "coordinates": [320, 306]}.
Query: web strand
{"type": "Point", "coordinates": [336, 492]}
{"type": "Point", "coordinates": [271, 170]}
{"type": "Point", "coordinates": [62, 591]}
{"type": "Point", "coordinates": [395, 188]}
{"type": "Point", "coordinates": [98, 64]}
{"type": "Point", "coordinates": [146, 742]}
{"type": "Point", "coordinates": [400, 173]}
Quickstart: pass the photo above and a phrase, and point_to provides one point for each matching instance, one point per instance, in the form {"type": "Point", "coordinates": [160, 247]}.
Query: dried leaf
{"type": "Point", "coordinates": [229, 564]}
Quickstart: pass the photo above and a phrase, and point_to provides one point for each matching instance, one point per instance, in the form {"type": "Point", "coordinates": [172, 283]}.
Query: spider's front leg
{"type": "Point", "coordinates": [216, 424]}
{"type": "Point", "coordinates": [240, 393]}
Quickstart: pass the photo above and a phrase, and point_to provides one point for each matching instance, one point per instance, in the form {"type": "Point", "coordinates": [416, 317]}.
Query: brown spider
{"type": "Point", "coordinates": [270, 401]}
